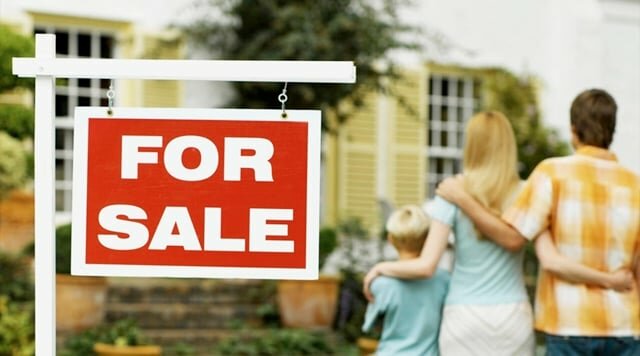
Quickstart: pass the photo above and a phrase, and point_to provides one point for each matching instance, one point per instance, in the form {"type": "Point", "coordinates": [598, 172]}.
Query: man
{"type": "Point", "coordinates": [591, 205]}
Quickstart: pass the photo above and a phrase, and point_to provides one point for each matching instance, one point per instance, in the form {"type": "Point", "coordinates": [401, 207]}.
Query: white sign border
{"type": "Point", "coordinates": [79, 197]}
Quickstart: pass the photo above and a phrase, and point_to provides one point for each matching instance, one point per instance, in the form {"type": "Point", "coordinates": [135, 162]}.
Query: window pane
{"type": "Point", "coordinates": [84, 83]}
{"type": "Point", "coordinates": [104, 83]}
{"type": "Point", "coordinates": [60, 200]}
{"type": "Point", "coordinates": [84, 45]}
{"type": "Point", "coordinates": [444, 139]}
{"type": "Point", "coordinates": [461, 88]}
{"type": "Point", "coordinates": [445, 87]}
{"type": "Point", "coordinates": [62, 105]}
{"type": "Point", "coordinates": [59, 139]}
{"type": "Point", "coordinates": [84, 101]}
{"type": "Point", "coordinates": [62, 42]}
{"type": "Point", "coordinates": [106, 46]}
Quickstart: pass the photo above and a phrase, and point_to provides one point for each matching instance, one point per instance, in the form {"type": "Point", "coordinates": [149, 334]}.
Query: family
{"type": "Point", "coordinates": [582, 213]}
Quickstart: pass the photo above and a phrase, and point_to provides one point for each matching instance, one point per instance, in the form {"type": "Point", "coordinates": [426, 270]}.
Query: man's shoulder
{"type": "Point", "coordinates": [560, 166]}
{"type": "Point", "coordinates": [551, 162]}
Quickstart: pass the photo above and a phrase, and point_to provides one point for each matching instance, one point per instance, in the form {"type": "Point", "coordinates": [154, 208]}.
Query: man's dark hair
{"type": "Point", "coordinates": [593, 117]}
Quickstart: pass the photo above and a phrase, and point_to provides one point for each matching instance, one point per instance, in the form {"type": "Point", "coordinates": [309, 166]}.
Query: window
{"type": "Point", "coordinates": [452, 101]}
{"type": "Point", "coordinates": [72, 92]}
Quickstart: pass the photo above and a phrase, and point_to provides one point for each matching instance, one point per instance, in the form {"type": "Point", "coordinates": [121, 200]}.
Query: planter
{"type": "Point", "coordinates": [308, 304]}
{"type": "Point", "coordinates": [123, 350]}
{"type": "Point", "coordinates": [367, 346]}
{"type": "Point", "coordinates": [16, 221]}
{"type": "Point", "coordinates": [80, 302]}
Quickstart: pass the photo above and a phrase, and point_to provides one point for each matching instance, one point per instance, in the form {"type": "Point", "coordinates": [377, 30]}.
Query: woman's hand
{"type": "Point", "coordinates": [452, 189]}
{"type": "Point", "coordinates": [621, 280]}
{"type": "Point", "coordinates": [366, 283]}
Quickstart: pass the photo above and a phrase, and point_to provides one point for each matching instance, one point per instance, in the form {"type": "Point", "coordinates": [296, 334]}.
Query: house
{"type": "Point", "coordinates": [388, 154]}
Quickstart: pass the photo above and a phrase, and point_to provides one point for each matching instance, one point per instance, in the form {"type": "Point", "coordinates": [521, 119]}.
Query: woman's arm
{"type": "Point", "coordinates": [490, 225]}
{"type": "Point", "coordinates": [552, 261]}
{"type": "Point", "coordinates": [637, 274]}
{"type": "Point", "coordinates": [423, 266]}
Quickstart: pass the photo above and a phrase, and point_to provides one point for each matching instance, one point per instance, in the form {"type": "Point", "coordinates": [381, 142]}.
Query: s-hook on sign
{"type": "Point", "coordinates": [205, 193]}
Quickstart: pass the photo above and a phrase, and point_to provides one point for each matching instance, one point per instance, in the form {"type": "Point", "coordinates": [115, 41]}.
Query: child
{"type": "Point", "coordinates": [411, 308]}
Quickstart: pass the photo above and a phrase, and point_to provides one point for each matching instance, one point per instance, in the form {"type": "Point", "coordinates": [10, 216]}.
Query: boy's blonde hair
{"type": "Point", "coordinates": [408, 228]}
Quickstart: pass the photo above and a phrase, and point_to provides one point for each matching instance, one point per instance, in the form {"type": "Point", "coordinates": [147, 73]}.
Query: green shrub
{"type": "Point", "coordinates": [122, 332]}
{"type": "Point", "coordinates": [16, 282]}
{"type": "Point", "coordinates": [16, 120]}
{"type": "Point", "coordinates": [17, 337]}
{"type": "Point", "coordinates": [291, 342]}
{"type": "Point", "coordinates": [63, 249]}
{"type": "Point", "coordinates": [328, 242]}
{"type": "Point", "coordinates": [13, 163]}
{"type": "Point", "coordinates": [81, 344]}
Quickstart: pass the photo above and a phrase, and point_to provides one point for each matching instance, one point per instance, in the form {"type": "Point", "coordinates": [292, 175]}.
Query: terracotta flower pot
{"type": "Point", "coordinates": [80, 302]}
{"type": "Point", "coordinates": [308, 304]}
{"type": "Point", "coordinates": [124, 350]}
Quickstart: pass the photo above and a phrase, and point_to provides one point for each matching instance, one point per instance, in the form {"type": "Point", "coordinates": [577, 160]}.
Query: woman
{"type": "Point", "coordinates": [487, 310]}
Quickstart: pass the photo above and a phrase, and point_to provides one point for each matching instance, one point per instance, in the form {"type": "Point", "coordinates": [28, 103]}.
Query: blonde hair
{"type": "Point", "coordinates": [490, 160]}
{"type": "Point", "coordinates": [408, 228]}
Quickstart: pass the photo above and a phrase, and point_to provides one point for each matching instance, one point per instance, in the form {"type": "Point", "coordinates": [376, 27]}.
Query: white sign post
{"type": "Point", "coordinates": [45, 68]}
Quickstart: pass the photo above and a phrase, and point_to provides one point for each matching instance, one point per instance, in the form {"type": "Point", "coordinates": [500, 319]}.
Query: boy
{"type": "Point", "coordinates": [411, 308]}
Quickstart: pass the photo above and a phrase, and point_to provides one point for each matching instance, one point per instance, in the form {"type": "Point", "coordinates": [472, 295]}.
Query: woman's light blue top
{"type": "Point", "coordinates": [483, 272]}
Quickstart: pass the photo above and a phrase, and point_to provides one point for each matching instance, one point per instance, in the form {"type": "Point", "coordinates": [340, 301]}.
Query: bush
{"type": "Point", "coordinates": [13, 163]}
{"type": "Point", "coordinates": [122, 332]}
{"type": "Point", "coordinates": [16, 328]}
{"type": "Point", "coordinates": [290, 342]}
{"type": "Point", "coordinates": [15, 278]}
{"type": "Point", "coordinates": [328, 243]}
{"type": "Point", "coordinates": [63, 249]}
{"type": "Point", "coordinates": [17, 121]}
{"type": "Point", "coordinates": [16, 306]}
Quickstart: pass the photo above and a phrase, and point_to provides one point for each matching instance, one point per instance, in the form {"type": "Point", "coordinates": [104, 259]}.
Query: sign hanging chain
{"type": "Point", "coordinates": [282, 98]}
{"type": "Point", "coordinates": [110, 95]}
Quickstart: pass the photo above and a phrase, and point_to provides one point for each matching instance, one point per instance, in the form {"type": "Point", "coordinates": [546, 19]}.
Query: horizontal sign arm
{"type": "Point", "coordinates": [215, 70]}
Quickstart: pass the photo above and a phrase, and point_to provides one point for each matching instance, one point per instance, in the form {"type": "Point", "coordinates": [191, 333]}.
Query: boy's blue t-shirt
{"type": "Point", "coordinates": [483, 272]}
{"type": "Point", "coordinates": [412, 311]}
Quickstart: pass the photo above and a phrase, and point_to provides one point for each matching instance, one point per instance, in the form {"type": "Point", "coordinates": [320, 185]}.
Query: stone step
{"type": "Point", "coordinates": [189, 291]}
{"type": "Point", "coordinates": [187, 304]}
{"type": "Point", "coordinates": [183, 315]}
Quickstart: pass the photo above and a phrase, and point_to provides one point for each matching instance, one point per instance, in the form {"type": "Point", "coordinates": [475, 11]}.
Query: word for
{"type": "Point", "coordinates": [136, 151]}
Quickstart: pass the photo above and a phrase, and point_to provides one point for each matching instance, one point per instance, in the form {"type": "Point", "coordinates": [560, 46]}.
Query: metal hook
{"type": "Point", "coordinates": [110, 95]}
{"type": "Point", "coordinates": [282, 98]}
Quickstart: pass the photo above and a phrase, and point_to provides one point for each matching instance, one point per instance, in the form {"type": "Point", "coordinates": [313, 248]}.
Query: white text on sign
{"type": "Point", "coordinates": [123, 220]}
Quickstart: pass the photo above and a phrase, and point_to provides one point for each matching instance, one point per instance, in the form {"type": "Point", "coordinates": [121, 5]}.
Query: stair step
{"type": "Point", "coordinates": [189, 291]}
{"type": "Point", "coordinates": [182, 315]}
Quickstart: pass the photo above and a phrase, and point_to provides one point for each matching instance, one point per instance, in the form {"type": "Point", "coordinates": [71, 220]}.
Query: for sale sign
{"type": "Point", "coordinates": [196, 193]}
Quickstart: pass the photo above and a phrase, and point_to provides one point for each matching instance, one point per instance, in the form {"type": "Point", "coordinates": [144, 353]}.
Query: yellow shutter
{"type": "Point", "coordinates": [408, 140]}
{"type": "Point", "coordinates": [357, 165]}
{"type": "Point", "coordinates": [161, 93]}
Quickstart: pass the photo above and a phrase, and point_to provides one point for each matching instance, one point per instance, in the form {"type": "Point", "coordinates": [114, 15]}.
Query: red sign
{"type": "Point", "coordinates": [196, 193]}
